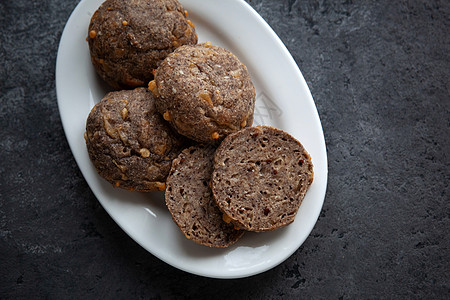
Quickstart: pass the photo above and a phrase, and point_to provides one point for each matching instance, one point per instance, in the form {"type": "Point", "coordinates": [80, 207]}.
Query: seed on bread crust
{"type": "Point", "coordinates": [189, 199]}
{"type": "Point", "coordinates": [206, 90]}
{"type": "Point", "coordinates": [129, 143]}
{"type": "Point", "coordinates": [128, 39]}
{"type": "Point", "coordinates": [261, 175]}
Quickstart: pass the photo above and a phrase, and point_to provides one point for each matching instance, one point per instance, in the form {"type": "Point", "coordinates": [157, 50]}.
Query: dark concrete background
{"type": "Point", "coordinates": [379, 73]}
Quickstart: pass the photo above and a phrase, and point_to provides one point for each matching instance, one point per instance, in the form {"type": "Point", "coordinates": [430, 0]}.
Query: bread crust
{"type": "Point", "coordinates": [205, 92]}
{"type": "Point", "coordinates": [128, 39]}
{"type": "Point", "coordinates": [128, 142]}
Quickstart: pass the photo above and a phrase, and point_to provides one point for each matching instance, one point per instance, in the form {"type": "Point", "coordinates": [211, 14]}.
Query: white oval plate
{"type": "Point", "coordinates": [283, 101]}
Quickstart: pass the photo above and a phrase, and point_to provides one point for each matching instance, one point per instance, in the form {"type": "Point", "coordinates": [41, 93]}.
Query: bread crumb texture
{"type": "Point", "coordinates": [261, 175]}
{"type": "Point", "coordinates": [190, 202]}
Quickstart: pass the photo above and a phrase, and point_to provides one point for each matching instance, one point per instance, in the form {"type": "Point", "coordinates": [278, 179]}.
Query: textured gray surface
{"type": "Point", "coordinates": [379, 73]}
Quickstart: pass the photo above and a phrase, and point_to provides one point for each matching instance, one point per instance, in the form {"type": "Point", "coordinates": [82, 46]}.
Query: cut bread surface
{"type": "Point", "coordinates": [189, 199]}
{"type": "Point", "coordinates": [261, 175]}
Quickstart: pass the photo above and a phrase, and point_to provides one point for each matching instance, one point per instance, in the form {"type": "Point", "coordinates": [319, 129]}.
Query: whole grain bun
{"type": "Point", "coordinates": [205, 92]}
{"type": "Point", "coordinates": [189, 199]}
{"type": "Point", "coordinates": [128, 39]}
{"type": "Point", "coordinates": [129, 143]}
{"type": "Point", "coordinates": [261, 175]}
